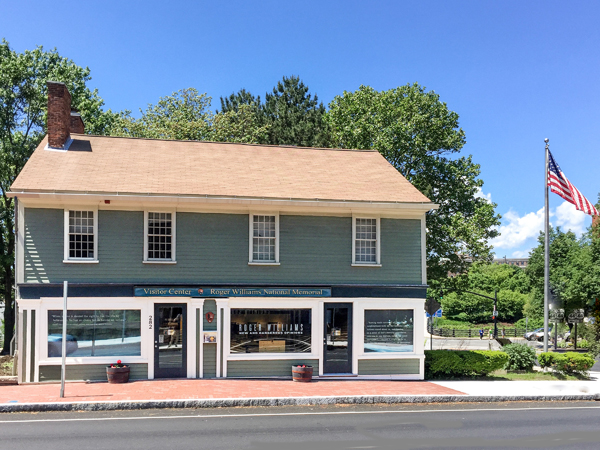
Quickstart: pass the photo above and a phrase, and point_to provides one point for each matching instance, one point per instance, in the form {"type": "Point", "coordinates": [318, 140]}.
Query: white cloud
{"type": "Point", "coordinates": [568, 218]}
{"type": "Point", "coordinates": [480, 194]}
{"type": "Point", "coordinates": [516, 230]}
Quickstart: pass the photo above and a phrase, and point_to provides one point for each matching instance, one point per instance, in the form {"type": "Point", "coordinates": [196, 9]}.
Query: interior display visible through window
{"type": "Point", "coordinates": [389, 330]}
{"type": "Point", "coordinates": [270, 331]}
{"type": "Point", "coordinates": [95, 333]}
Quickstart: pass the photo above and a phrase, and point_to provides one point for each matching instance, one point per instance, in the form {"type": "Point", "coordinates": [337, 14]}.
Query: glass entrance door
{"type": "Point", "coordinates": [170, 340]}
{"type": "Point", "coordinates": [337, 343]}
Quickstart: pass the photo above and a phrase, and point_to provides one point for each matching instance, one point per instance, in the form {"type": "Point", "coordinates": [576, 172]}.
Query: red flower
{"type": "Point", "coordinates": [119, 361]}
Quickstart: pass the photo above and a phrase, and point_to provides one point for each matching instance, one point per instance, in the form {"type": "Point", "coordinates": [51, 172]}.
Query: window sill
{"type": "Point", "coordinates": [160, 262]}
{"type": "Point", "coordinates": [255, 263]}
{"type": "Point", "coordinates": [365, 265]}
{"type": "Point", "coordinates": [80, 261]}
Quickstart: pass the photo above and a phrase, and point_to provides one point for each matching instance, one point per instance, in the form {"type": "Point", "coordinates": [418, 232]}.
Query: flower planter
{"type": "Point", "coordinates": [302, 374]}
{"type": "Point", "coordinates": [117, 374]}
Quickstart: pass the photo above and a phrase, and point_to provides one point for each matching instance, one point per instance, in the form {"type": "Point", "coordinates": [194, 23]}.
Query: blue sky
{"type": "Point", "coordinates": [515, 71]}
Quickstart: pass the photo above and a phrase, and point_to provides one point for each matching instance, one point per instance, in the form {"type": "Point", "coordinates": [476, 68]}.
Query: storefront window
{"type": "Point", "coordinates": [96, 333]}
{"type": "Point", "coordinates": [389, 330]}
{"type": "Point", "coordinates": [270, 330]}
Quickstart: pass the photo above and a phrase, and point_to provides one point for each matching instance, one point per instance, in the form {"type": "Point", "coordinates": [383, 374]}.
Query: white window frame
{"type": "Point", "coordinates": [66, 257]}
{"type": "Point", "coordinates": [251, 261]}
{"type": "Point", "coordinates": [173, 259]}
{"type": "Point", "coordinates": [377, 263]}
{"type": "Point", "coordinates": [85, 303]}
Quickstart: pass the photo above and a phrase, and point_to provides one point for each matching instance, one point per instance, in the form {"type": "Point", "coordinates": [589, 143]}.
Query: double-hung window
{"type": "Point", "coordinates": [81, 236]}
{"type": "Point", "coordinates": [159, 237]}
{"type": "Point", "coordinates": [264, 239]}
{"type": "Point", "coordinates": [365, 241]}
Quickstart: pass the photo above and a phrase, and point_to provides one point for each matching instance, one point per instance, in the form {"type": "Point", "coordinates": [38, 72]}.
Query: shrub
{"type": "Point", "coordinates": [583, 343]}
{"type": "Point", "coordinates": [448, 323]}
{"type": "Point", "coordinates": [547, 359]}
{"type": "Point", "coordinates": [462, 363]}
{"type": "Point", "coordinates": [520, 357]}
{"type": "Point", "coordinates": [572, 363]}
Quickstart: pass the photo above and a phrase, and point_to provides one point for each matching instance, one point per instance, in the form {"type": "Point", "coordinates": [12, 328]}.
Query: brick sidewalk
{"type": "Point", "coordinates": [213, 389]}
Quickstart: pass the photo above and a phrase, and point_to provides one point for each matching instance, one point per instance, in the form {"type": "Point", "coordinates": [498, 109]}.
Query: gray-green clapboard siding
{"type": "Point", "coordinates": [388, 366]}
{"type": "Point", "coordinates": [209, 360]}
{"type": "Point", "coordinates": [89, 372]}
{"type": "Point", "coordinates": [213, 248]}
{"type": "Point", "coordinates": [267, 368]}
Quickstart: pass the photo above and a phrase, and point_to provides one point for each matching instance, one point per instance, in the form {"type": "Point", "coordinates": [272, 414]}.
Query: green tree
{"type": "Point", "coordinates": [23, 109]}
{"type": "Point", "coordinates": [572, 272]}
{"type": "Point", "coordinates": [510, 282]}
{"type": "Point", "coordinates": [184, 115]}
{"type": "Point", "coordinates": [417, 134]}
{"type": "Point", "coordinates": [236, 100]}
{"type": "Point", "coordinates": [294, 116]}
{"type": "Point", "coordinates": [239, 125]}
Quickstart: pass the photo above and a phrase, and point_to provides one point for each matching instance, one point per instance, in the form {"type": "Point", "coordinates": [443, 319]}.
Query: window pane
{"type": "Point", "coordinates": [365, 241]}
{"type": "Point", "coordinates": [389, 330]}
{"type": "Point", "coordinates": [263, 241]}
{"type": "Point", "coordinates": [159, 235]}
{"type": "Point", "coordinates": [81, 234]}
{"type": "Point", "coordinates": [270, 331]}
{"type": "Point", "coordinates": [96, 333]}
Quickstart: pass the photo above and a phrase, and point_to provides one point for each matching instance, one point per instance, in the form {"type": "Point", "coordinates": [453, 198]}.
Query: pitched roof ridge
{"type": "Point", "coordinates": [230, 143]}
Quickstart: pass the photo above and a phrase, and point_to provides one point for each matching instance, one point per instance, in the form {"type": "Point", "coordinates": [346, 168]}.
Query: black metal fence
{"type": "Point", "coordinates": [474, 333]}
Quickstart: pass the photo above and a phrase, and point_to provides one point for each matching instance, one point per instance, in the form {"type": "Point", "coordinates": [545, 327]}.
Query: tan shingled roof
{"type": "Point", "coordinates": [147, 166]}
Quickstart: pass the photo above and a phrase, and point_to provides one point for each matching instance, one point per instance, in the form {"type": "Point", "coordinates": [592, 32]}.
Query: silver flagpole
{"type": "Point", "coordinates": [546, 249]}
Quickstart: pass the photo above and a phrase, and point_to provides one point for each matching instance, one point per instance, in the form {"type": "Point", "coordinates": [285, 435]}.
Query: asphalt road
{"type": "Point", "coordinates": [572, 425]}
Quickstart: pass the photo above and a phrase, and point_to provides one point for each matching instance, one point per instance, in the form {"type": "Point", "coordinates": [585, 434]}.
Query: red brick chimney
{"type": "Point", "coordinates": [76, 123]}
{"type": "Point", "coordinates": [61, 121]}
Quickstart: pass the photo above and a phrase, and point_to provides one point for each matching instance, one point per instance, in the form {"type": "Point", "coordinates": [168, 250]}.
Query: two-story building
{"type": "Point", "coordinates": [202, 259]}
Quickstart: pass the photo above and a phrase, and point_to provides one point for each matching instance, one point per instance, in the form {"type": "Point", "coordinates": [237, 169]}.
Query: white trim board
{"type": "Point", "coordinates": [229, 204]}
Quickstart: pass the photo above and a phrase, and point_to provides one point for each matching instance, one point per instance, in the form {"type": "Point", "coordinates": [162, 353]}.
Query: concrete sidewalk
{"type": "Point", "coordinates": [184, 393]}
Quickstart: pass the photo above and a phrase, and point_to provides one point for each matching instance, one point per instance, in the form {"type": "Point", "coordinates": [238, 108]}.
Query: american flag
{"type": "Point", "coordinates": [559, 184]}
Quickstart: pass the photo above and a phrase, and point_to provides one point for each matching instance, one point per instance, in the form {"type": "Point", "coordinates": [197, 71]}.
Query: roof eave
{"type": "Point", "coordinates": [199, 198]}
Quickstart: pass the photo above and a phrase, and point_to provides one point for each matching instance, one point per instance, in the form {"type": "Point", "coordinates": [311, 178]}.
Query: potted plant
{"type": "Point", "coordinates": [302, 373]}
{"type": "Point", "coordinates": [117, 373]}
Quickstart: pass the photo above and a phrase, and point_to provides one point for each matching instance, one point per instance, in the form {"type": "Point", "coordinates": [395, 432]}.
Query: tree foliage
{"type": "Point", "coordinates": [570, 259]}
{"type": "Point", "coordinates": [510, 282]}
{"type": "Point", "coordinates": [417, 133]}
{"type": "Point", "coordinates": [291, 115]}
{"type": "Point", "coordinates": [238, 99]}
{"type": "Point", "coordinates": [23, 110]}
{"type": "Point", "coordinates": [295, 116]}
{"type": "Point", "coordinates": [186, 115]}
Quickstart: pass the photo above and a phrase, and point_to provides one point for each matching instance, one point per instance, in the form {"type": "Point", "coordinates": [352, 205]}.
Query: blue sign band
{"type": "Point", "coordinates": [230, 292]}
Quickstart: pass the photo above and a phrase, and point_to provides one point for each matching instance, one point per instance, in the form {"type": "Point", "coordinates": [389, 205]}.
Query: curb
{"type": "Point", "coordinates": [291, 401]}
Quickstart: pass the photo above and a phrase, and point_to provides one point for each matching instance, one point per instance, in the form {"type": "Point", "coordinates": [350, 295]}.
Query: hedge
{"type": "Point", "coordinates": [570, 363]}
{"type": "Point", "coordinates": [462, 363]}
